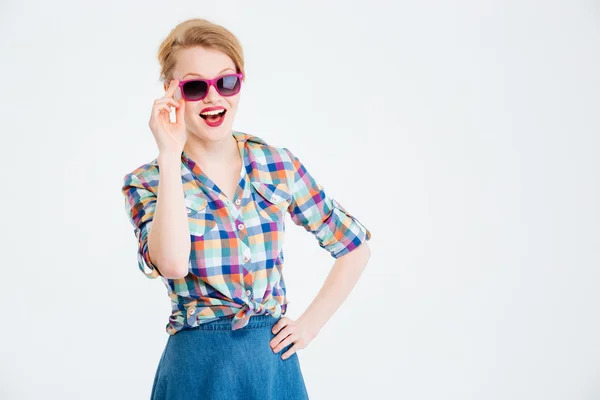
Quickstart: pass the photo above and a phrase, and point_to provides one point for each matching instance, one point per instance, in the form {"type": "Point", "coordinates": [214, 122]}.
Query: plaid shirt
{"type": "Point", "coordinates": [236, 258]}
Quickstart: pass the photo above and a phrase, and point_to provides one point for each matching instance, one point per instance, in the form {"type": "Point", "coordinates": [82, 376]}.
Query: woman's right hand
{"type": "Point", "coordinates": [170, 136]}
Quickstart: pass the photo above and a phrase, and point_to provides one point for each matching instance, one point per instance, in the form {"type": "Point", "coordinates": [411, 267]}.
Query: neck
{"type": "Point", "coordinates": [211, 152]}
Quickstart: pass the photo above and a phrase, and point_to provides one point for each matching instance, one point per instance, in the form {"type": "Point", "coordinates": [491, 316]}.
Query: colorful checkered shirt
{"type": "Point", "coordinates": [236, 258]}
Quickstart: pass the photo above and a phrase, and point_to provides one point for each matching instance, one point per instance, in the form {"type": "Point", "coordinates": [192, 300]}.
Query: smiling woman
{"type": "Point", "coordinates": [207, 62]}
{"type": "Point", "coordinates": [197, 89]}
{"type": "Point", "coordinates": [208, 214]}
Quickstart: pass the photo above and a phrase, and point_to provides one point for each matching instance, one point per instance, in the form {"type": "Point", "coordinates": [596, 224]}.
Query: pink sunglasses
{"type": "Point", "coordinates": [197, 89]}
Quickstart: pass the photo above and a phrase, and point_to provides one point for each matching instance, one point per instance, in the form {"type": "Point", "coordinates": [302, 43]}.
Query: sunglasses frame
{"type": "Point", "coordinates": [211, 82]}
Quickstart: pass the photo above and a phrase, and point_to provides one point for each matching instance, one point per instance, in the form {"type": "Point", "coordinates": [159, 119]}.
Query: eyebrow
{"type": "Point", "coordinates": [193, 73]}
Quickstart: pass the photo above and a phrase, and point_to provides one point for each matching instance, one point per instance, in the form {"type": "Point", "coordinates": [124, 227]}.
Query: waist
{"type": "Point", "coordinates": [194, 318]}
{"type": "Point", "coordinates": [224, 323]}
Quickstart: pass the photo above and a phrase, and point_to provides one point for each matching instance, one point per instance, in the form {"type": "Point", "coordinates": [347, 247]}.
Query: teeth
{"type": "Point", "coordinates": [214, 112]}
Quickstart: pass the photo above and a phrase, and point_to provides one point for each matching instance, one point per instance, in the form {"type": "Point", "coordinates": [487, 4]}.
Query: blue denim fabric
{"type": "Point", "coordinates": [213, 362]}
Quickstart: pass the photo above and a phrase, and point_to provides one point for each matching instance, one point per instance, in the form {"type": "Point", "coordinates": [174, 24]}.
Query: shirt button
{"type": "Point", "coordinates": [189, 211]}
{"type": "Point", "coordinates": [238, 202]}
{"type": "Point", "coordinates": [273, 199]}
{"type": "Point", "coordinates": [241, 226]}
{"type": "Point", "coordinates": [191, 310]}
{"type": "Point", "coordinates": [246, 259]}
{"type": "Point", "coordinates": [248, 292]}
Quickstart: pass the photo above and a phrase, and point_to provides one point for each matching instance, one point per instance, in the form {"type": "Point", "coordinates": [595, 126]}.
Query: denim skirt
{"type": "Point", "coordinates": [214, 362]}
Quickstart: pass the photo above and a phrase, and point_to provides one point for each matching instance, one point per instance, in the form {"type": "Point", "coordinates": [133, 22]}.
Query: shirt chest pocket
{"type": "Point", "coordinates": [200, 219]}
{"type": "Point", "coordinates": [271, 200]}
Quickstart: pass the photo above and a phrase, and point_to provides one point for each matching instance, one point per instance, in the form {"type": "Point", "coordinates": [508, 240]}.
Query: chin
{"type": "Point", "coordinates": [213, 133]}
{"type": "Point", "coordinates": [219, 132]}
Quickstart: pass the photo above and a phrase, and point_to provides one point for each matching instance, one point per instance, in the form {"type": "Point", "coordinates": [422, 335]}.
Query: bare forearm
{"type": "Point", "coordinates": [337, 286]}
{"type": "Point", "coordinates": [169, 237]}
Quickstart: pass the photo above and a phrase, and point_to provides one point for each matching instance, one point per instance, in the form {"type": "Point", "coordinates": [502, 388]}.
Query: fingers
{"type": "Point", "coordinates": [288, 330]}
{"type": "Point", "coordinates": [171, 89]}
{"type": "Point", "coordinates": [164, 105]}
{"type": "Point", "coordinates": [287, 333]}
{"type": "Point", "coordinates": [180, 111]}
{"type": "Point", "coordinates": [161, 109]}
{"type": "Point", "coordinates": [283, 321]}
{"type": "Point", "coordinates": [291, 338]}
{"type": "Point", "coordinates": [291, 351]}
{"type": "Point", "coordinates": [167, 100]}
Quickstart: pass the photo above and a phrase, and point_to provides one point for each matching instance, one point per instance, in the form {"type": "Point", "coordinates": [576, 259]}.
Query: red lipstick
{"type": "Point", "coordinates": [213, 119]}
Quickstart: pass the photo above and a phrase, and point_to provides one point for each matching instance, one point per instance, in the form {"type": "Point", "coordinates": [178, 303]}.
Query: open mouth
{"type": "Point", "coordinates": [214, 117]}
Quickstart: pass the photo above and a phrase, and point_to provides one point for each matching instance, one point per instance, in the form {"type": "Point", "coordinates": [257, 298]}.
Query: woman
{"type": "Point", "coordinates": [213, 231]}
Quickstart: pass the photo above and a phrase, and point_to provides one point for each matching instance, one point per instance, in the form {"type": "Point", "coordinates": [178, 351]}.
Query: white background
{"type": "Point", "coordinates": [463, 134]}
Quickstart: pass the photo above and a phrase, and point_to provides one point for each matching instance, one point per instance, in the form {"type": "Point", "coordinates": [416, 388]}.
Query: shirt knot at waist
{"type": "Point", "coordinates": [242, 317]}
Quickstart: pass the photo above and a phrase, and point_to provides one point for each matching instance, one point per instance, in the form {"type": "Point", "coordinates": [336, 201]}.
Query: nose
{"type": "Point", "coordinates": [212, 95]}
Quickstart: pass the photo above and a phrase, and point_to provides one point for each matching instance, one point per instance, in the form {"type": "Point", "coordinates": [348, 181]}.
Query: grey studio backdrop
{"type": "Point", "coordinates": [463, 134]}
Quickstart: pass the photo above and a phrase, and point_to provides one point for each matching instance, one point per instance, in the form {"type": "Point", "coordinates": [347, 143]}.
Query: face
{"type": "Point", "coordinates": [199, 62]}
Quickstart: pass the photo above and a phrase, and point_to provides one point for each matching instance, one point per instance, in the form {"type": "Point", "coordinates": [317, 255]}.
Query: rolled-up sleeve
{"type": "Point", "coordinates": [140, 204]}
{"type": "Point", "coordinates": [336, 230]}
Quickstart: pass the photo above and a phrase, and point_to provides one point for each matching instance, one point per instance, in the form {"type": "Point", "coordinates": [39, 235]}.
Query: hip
{"type": "Point", "coordinates": [212, 361]}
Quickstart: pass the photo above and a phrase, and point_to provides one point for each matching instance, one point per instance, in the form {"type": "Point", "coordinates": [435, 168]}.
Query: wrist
{"type": "Point", "coordinates": [168, 158]}
{"type": "Point", "coordinates": [312, 326]}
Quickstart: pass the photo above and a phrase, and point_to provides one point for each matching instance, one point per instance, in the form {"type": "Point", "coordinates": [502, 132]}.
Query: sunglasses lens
{"type": "Point", "coordinates": [229, 85]}
{"type": "Point", "coordinates": [195, 90]}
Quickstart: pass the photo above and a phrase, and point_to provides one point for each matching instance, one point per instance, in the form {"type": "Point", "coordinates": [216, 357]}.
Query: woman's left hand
{"type": "Point", "coordinates": [290, 331]}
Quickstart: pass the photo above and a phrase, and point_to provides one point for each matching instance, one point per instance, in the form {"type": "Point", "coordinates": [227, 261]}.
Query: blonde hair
{"type": "Point", "coordinates": [198, 32]}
